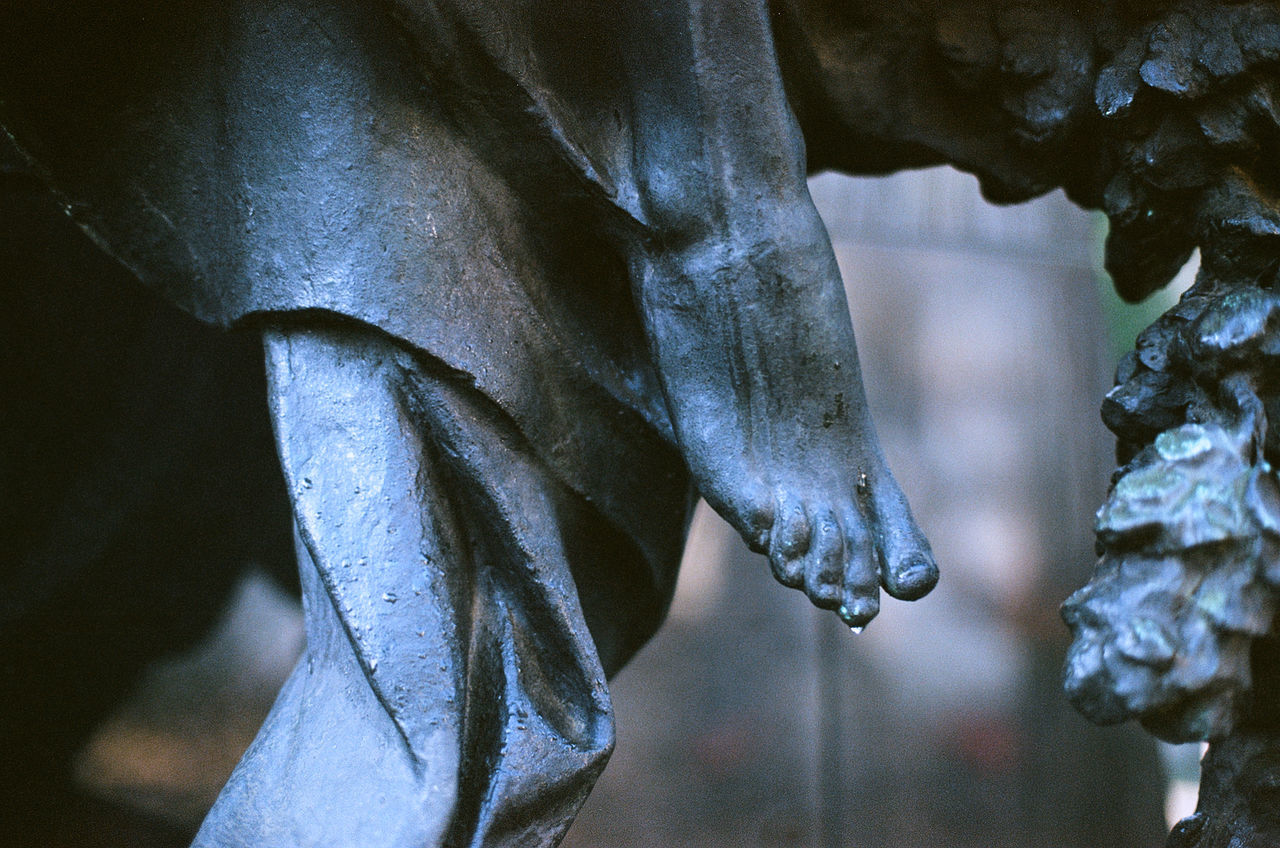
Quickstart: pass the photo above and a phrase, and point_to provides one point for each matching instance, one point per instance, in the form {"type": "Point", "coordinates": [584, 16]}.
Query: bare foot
{"type": "Point", "coordinates": [751, 333]}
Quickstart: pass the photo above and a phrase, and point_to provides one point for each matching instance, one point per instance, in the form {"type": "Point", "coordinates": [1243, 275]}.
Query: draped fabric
{"type": "Point", "coordinates": [451, 693]}
{"type": "Point", "coordinates": [439, 276]}
{"type": "Point", "coordinates": [256, 158]}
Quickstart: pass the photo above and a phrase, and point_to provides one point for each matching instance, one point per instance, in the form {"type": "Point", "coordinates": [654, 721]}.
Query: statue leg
{"type": "Point", "coordinates": [747, 319]}
{"type": "Point", "coordinates": [450, 693]}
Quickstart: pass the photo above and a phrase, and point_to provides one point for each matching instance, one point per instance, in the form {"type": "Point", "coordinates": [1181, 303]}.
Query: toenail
{"type": "Point", "coordinates": [916, 579]}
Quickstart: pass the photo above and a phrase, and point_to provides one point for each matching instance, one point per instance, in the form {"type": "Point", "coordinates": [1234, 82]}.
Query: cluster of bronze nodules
{"type": "Point", "coordinates": [1176, 626]}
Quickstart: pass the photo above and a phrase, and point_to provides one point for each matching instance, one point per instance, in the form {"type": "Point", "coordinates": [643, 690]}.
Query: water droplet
{"type": "Point", "coordinates": [373, 665]}
{"type": "Point", "coordinates": [858, 629]}
{"type": "Point", "coordinates": [306, 482]}
{"type": "Point", "coordinates": [389, 597]}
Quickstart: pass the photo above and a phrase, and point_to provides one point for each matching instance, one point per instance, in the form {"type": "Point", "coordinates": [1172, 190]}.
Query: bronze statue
{"type": "Point", "coordinates": [525, 272]}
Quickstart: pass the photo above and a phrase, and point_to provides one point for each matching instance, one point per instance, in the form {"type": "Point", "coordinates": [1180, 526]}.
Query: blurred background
{"type": "Point", "coordinates": [753, 719]}
{"type": "Point", "coordinates": [987, 343]}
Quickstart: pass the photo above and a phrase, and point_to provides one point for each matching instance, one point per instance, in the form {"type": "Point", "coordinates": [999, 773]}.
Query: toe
{"type": "Point", "coordinates": [824, 563]}
{"type": "Point", "coordinates": [860, 600]}
{"type": "Point", "coordinates": [788, 572]}
{"type": "Point", "coordinates": [857, 611]}
{"type": "Point", "coordinates": [907, 570]}
{"type": "Point", "coordinates": [757, 518]}
{"type": "Point", "coordinates": [793, 528]}
{"type": "Point", "coordinates": [789, 541]}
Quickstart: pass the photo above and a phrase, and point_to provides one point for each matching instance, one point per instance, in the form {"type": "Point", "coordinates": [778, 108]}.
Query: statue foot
{"type": "Point", "coordinates": [752, 338]}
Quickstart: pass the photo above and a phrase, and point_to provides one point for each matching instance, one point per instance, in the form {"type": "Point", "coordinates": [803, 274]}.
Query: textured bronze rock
{"type": "Point", "coordinates": [525, 271]}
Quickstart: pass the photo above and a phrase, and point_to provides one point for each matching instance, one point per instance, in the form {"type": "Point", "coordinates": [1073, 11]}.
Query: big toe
{"type": "Point", "coordinates": [908, 571]}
